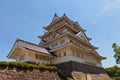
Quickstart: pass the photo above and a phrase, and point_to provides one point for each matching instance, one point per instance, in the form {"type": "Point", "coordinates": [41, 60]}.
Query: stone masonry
{"type": "Point", "coordinates": [13, 74]}
{"type": "Point", "coordinates": [82, 71]}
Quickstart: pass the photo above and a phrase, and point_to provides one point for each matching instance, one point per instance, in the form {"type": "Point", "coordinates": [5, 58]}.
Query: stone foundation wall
{"type": "Point", "coordinates": [6, 74]}
{"type": "Point", "coordinates": [82, 71]}
{"type": "Point", "coordinates": [76, 66]}
{"type": "Point", "coordinates": [82, 76]}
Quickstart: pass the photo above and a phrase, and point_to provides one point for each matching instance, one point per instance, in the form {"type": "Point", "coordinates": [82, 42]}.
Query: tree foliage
{"type": "Point", "coordinates": [116, 49]}
{"type": "Point", "coordinates": [113, 71]}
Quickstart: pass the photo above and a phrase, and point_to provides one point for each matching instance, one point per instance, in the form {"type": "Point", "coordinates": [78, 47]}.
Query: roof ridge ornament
{"type": "Point", "coordinates": [64, 15]}
{"type": "Point", "coordinates": [55, 15]}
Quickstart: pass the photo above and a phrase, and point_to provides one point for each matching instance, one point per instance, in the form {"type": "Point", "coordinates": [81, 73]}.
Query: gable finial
{"type": "Point", "coordinates": [17, 39]}
{"type": "Point", "coordinates": [55, 14]}
{"type": "Point", "coordinates": [64, 14]}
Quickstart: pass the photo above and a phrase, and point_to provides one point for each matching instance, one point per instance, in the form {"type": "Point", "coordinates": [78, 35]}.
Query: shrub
{"type": "Point", "coordinates": [27, 66]}
{"type": "Point", "coordinates": [21, 65]}
{"type": "Point", "coordinates": [13, 64]}
{"type": "Point", "coordinates": [42, 67]}
{"type": "Point", "coordinates": [4, 63]}
{"type": "Point", "coordinates": [53, 68]}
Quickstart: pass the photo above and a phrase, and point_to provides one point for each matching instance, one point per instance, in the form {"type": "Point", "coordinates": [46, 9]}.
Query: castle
{"type": "Point", "coordinates": [64, 45]}
{"type": "Point", "coordinates": [64, 41]}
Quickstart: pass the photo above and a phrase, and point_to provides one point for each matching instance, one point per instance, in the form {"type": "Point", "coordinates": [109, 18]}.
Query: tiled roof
{"type": "Point", "coordinates": [31, 46]}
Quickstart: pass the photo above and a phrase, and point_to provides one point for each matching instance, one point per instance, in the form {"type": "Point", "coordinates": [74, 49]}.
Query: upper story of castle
{"type": "Point", "coordinates": [64, 30]}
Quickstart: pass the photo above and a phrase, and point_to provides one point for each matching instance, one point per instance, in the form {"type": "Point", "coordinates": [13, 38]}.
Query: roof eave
{"type": "Point", "coordinates": [103, 58]}
{"type": "Point", "coordinates": [13, 47]}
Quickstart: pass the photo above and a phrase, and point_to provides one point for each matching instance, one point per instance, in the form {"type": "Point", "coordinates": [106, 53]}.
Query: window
{"type": "Point", "coordinates": [82, 56]}
{"type": "Point", "coordinates": [56, 43]}
{"type": "Point", "coordinates": [49, 46]}
{"type": "Point", "coordinates": [48, 58]}
{"type": "Point", "coordinates": [40, 57]}
{"type": "Point", "coordinates": [65, 30]}
{"type": "Point", "coordinates": [57, 34]}
{"type": "Point", "coordinates": [37, 56]}
{"type": "Point", "coordinates": [78, 55]}
{"type": "Point", "coordinates": [22, 57]}
{"type": "Point", "coordinates": [91, 58]}
{"type": "Point", "coordinates": [74, 53]}
{"type": "Point", "coordinates": [51, 36]}
{"type": "Point", "coordinates": [64, 53]}
{"type": "Point", "coordinates": [60, 32]}
{"type": "Point", "coordinates": [80, 45]}
{"type": "Point", "coordinates": [52, 45]}
{"type": "Point", "coordinates": [59, 54]}
{"type": "Point", "coordinates": [63, 41]}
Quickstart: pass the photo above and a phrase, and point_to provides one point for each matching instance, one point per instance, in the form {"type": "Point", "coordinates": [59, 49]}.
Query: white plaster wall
{"type": "Point", "coordinates": [90, 58]}
{"type": "Point", "coordinates": [99, 65]}
{"type": "Point", "coordinates": [39, 61]}
{"type": "Point", "coordinates": [25, 58]}
{"type": "Point", "coordinates": [69, 57]}
{"type": "Point", "coordinates": [66, 59]}
{"type": "Point", "coordinates": [31, 58]}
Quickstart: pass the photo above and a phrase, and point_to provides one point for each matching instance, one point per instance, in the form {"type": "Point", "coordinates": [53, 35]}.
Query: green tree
{"type": "Point", "coordinates": [116, 49]}
{"type": "Point", "coordinates": [113, 71]}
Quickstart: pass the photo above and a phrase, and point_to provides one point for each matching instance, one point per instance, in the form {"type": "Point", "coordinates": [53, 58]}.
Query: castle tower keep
{"type": "Point", "coordinates": [67, 40]}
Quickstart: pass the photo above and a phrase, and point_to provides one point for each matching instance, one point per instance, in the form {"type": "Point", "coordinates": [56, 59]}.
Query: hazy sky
{"type": "Point", "coordinates": [24, 19]}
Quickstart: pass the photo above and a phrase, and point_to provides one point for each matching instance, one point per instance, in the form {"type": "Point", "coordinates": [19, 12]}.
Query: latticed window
{"type": "Point", "coordinates": [64, 53]}
{"type": "Point", "coordinates": [78, 55]}
{"type": "Point", "coordinates": [59, 54]}
{"type": "Point", "coordinates": [63, 41]}
{"type": "Point", "coordinates": [22, 57]}
{"type": "Point", "coordinates": [40, 57]}
{"type": "Point", "coordinates": [82, 56]}
{"type": "Point", "coordinates": [48, 58]}
{"type": "Point", "coordinates": [74, 53]}
{"type": "Point", "coordinates": [56, 44]}
{"type": "Point", "coordinates": [37, 56]}
{"type": "Point", "coordinates": [52, 45]}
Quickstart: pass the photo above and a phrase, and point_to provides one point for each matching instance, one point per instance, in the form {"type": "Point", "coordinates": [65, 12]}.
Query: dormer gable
{"type": "Point", "coordinates": [82, 36]}
{"type": "Point", "coordinates": [55, 18]}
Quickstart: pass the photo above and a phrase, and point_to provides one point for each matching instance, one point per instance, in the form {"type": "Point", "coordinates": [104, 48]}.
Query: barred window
{"type": "Point", "coordinates": [37, 56]}
{"type": "Point", "coordinates": [40, 57]}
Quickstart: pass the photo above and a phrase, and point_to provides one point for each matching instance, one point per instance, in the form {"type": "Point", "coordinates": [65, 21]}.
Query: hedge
{"type": "Point", "coordinates": [27, 65]}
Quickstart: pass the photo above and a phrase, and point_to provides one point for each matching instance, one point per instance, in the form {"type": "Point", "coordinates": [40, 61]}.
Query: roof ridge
{"type": "Point", "coordinates": [28, 42]}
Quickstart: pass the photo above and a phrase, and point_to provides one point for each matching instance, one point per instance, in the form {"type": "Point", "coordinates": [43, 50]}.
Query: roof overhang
{"type": "Point", "coordinates": [21, 45]}
{"type": "Point", "coordinates": [15, 51]}
{"type": "Point", "coordinates": [80, 48]}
